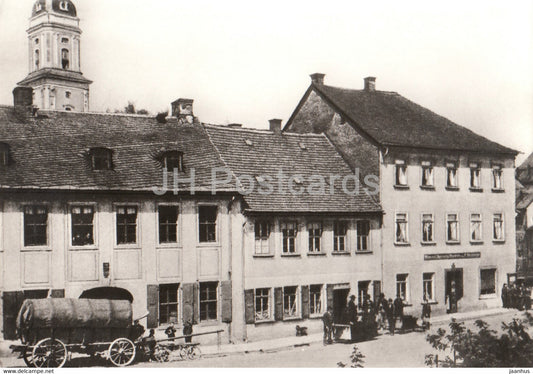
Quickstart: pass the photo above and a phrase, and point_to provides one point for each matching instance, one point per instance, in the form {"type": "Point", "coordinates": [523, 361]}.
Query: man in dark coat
{"type": "Point", "coordinates": [327, 320]}
{"type": "Point", "coordinates": [389, 311]}
{"type": "Point", "coordinates": [505, 296]}
{"type": "Point", "coordinates": [351, 311]}
{"type": "Point", "coordinates": [398, 309]}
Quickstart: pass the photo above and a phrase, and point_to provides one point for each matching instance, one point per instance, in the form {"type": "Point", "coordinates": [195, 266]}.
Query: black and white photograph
{"type": "Point", "coordinates": [279, 184]}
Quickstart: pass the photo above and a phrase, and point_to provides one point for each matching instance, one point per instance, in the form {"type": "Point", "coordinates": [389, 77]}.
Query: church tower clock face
{"type": "Point", "coordinates": [54, 40]}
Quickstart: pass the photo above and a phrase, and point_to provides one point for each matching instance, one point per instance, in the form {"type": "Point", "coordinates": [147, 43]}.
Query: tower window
{"type": "Point", "coordinates": [37, 60]}
{"type": "Point", "coordinates": [68, 94]}
{"type": "Point", "coordinates": [36, 40]}
{"type": "Point", "coordinates": [65, 60]}
{"type": "Point", "coordinates": [63, 5]}
{"type": "Point", "coordinates": [101, 159]}
{"type": "Point", "coordinates": [64, 40]}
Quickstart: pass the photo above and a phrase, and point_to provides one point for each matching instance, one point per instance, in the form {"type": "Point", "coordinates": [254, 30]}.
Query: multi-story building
{"type": "Point", "coordinates": [524, 221]}
{"type": "Point", "coordinates": [447, 193]}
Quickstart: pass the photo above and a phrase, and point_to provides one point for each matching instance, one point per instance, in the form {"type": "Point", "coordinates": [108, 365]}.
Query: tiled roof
{"type": "Point", "coordinates": [260, 153]}
{"type": "Point", "coordinates": [392, 120]}
{"type": "Point", "coordinates": [51, 151]}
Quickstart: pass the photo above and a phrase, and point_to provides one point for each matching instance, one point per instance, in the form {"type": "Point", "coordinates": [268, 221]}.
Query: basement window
{"type": "Point", "coordinates": [101, 158]}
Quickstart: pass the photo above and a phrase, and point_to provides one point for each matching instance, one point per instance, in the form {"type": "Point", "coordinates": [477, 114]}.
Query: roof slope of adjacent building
{"type": "Point", "coordinates": [256, 154]}
{"type": "Point", "coordinates": [51, 151]}
{"type": "Point", "coordinates": [392, 120]}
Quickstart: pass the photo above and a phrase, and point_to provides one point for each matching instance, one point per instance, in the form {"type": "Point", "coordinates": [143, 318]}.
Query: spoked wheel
{"type": "Point", "coordinates": [121, 352]}
{"type": "Point", "coordinates": [194, 353]}
{"type": "Point", "coordinates": [27, 356]}
{"type": "Point", "coordinates": [161, 353]}
{"type": "Point", "coordinates": [49, 353]}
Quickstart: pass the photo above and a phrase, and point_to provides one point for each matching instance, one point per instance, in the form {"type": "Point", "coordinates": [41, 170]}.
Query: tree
{"type": "Point", "coordinates": [130, 109]}
{"type": "Point", "coordinates": [463, 347]}
{"type": "Point", "coordinates": [356, 359]}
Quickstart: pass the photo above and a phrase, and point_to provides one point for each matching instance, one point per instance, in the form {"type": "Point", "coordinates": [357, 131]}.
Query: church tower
{"type": "Point", "coordinates": [54, 57]}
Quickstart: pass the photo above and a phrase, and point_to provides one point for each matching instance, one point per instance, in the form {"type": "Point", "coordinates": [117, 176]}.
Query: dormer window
{"type": "Point", "coordinates": [173, 160]}
{"type": "Point", "coordinates": [101, 158]}
{"type": "Point", "coordinates": [63, 6]}
{"type": "Point", "coordinates": [4, 154]}
{"type": "Point", "coordinates": [65, 58]}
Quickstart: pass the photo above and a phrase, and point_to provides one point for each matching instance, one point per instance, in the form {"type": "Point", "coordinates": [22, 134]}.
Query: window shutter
{"type": "Point", "coordinates": [225, 293]}
{"type": "Point", "coordinates": [329, 295]}
{"type": "Point", "coordinates": [152, 304]}
{"type": "Point", "coordinates": [12, 303]}
{"type": "Point", "coordinates": [195, 303]}
{"type": "Point", "coordinates": [278, 304]}
{"type": "Point", "coordinates": [305, 301]}
{"type": "Point", "coordinates": [190, 294]}
{"type": "Point", "coordinates": [377, 290]}
{"type": "Point", "coordinates": [249, 308]}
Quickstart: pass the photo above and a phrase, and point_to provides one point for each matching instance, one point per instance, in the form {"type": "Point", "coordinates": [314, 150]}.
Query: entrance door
{"type": "Point", "coordinates": [340, 300]}
{"type": "Point", "coordinates": [454, 288]}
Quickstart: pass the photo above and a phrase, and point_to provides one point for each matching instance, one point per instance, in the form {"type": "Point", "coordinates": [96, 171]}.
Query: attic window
{"type": "Point", "coordinates": [4, 154]}
{"type": "Point", "coordinates": [249, 142]}
{"type": "Point", "coordinates": [101, 158]}
{"type": "Point", "coordinates": [302, 146]}
{"type": "Point", "coordinates": [173, 160]}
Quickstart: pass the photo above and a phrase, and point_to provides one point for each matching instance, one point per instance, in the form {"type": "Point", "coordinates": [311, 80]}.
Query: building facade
{"type": "Point", "coordinates": [524, 221]}
{"type": "Point", "coordinates": [447, 193]}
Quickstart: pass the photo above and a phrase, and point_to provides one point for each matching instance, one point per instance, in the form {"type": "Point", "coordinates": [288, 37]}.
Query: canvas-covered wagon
{"type": "Point", "coordinates": [50, 329]}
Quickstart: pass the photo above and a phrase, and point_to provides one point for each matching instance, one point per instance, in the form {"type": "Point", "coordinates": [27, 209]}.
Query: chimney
{"type": "Point", "coordinates": [275, 126]}
{"type": "Point", "coordinates": [317, 78]}
{"type": "Point", "coordinates": [182, 109]}
{"type": "Point", "coordinates": [370, 84]}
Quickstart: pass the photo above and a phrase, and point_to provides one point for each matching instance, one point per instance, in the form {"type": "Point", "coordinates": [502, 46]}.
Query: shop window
{"type": "Point", "coordinates": [488, 281]}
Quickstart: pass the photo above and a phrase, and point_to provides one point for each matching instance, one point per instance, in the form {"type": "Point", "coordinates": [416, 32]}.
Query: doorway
{"type": "Point", "coordinates": [453, 279]}
{"type": "Point", "coordinates": [340, 300]}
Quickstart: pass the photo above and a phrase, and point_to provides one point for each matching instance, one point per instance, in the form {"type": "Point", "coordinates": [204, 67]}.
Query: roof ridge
{"type": "Point", "coordinates": [259, 131]}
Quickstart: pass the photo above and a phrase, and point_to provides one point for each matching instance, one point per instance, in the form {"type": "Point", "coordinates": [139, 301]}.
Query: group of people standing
{"type": "Point", "coordinates": [516, 297]}
{"type": "Point", "coordinates": [371, 316]}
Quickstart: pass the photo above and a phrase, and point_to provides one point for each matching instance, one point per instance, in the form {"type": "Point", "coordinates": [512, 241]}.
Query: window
{"type": "Point", "coordinates": [427, 174]}
{"type": "Point", "coordinates": [168, 223]}
{"type": "Point", "coordinates": [289, 230]}
{"type": "Point", "coordinates": [38, 7]}
{"type": "Point", "coordinates": [475, 176]}
{"type": "Point", "coordinates": [37, 59]}
{"type": "Point", "coordinates": [68, 94]}
{"type": "Point", "coordinates": [402, 286]}
{"type": "Point", "coordinates": [64, 40]}
{"type": "Point", "coordinates": [82, 221]}
{"type": "Point", "coordinates": [427, 228]}
{"type": "Point", "coordinates": [315, 234]}
{"type": "Point", "coordinates": [4, 154]}
{"type": "Point", "coordinates": [173, 160]}
{"type": "Point", "coordinates": [340, 228]}
{"type": "Point", "coordinates": [63, 5]}
{"type": "Point", "coordinates": [36, 41]}
{"type": "Point", "coordinates": [363, 235]}
{"type": "Point", "coordinates": [65, 59]}
{"type": "Point", "coordinates": [126, 224]}
{"type": "Point", "coordinates": [168, 303]}
{"type": "Point", "coordinates": [401, 173]}
{"type": "Point", "coordinates": [315, 299]}
{"type": "Point", "coordinates": [475, 227]}
{"type": "Point", "coordinates": [262, 237]}
{"type": "Point", "coordinates": [207, 218]}
{"type": "Point", "coordinates": [488, 281]}
{"type": "Point", "coordinates": [263, 311]}
{"type": "Point", "coordinates": [451, 175]}
{"type": "Point", "coordinates": [290, 302]}
{"type": "Point", "coordinates": [497, 224]}
{"type": "Point", "coordinates": [208, 301]}
{"type": "Point", "coordinates": [101, 158]}
{"type": "Point", "coordinates": [497, 177]}
{"type": "Point", "coordinates": [402, 236]}
{"type": "Point", "coordinates": [35, 225]}
{"type": "Point", "coordinates": [452, 228]}
{"type": "Point", "coordinates": [428, 286]}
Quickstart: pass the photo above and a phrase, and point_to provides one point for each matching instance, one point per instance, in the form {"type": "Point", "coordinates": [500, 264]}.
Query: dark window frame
{"type": "Point", "coordinates": [101, 158]}
{"type": "Point", "coordinates": [208, 301]}
{"type": "Point", "coordinates": [35, 225]}
{"type": "Point", "coordinates": [81, 229]}
{"type": "Point", "coordinates": [340, 235]}
{"type": "Point", "coordinates": [363, 235]}
{"type": "Point", "coordinates": [207, 224]}
{"type": "Point", "coordinates": [124, 224]}
{"type": "Point", "coordinates": [167, 304]}
{"type": "Point", "coordinates": [167, 226]}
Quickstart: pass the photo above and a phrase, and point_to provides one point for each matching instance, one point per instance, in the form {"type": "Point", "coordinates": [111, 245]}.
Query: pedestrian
{"type": "Point", "coordinates": [170, 331]}
{"type": "Point", "coordinates": [505, 296]}
{"type": "Point", "coordinates": [426, 314]}
{"type": "Point", "coordinates": [150, 343]}
{"type": "Point", "coordinates": [389, 310]}
{"type": "Point", "coordinates": [398, 309]}
{"type": "Point", "coordinates": [327, 320]}
{"type": "Point", "coordinates": [187, 330]}
{"type": "Point", "coordinates": [351, 311]}
{"type": "Point", "coordinates": [381, 317]}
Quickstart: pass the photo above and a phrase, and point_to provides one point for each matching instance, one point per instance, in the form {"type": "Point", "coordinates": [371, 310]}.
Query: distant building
{"type": "Point", "coordinates": [54, 42]}
{"type": "Point", "coordinates": [524, 220]}
{"type": "Point", "coordinates": [447, 193]}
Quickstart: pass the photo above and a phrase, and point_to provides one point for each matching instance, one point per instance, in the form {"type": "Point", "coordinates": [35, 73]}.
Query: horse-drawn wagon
{"type": "Point", "coordinates": [51, 329]}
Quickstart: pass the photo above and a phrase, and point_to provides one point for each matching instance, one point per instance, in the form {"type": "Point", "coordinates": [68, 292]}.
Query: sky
{"type": "Point", "coordinates": [249, 61]}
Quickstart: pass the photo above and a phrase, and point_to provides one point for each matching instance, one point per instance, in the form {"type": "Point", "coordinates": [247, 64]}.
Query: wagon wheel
{"type": "Point", "coordinates": [121, 352]}
{"type": "Point", "coordinates": [26, 355]}
{"type": "Point", "coordinates": [161, 353]}
{"type": "Point", "coordinates": [194, 352]}
{"type": "Point", "coordinates": [50, 353]}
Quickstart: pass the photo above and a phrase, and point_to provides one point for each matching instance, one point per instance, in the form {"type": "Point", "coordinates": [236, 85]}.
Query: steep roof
{"type": "Point", "coordinates": [257, 153]}
{"type": "Point", "coordinates": [50, 151]}
{"type": "Point", "coordinates": [392, 120]}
